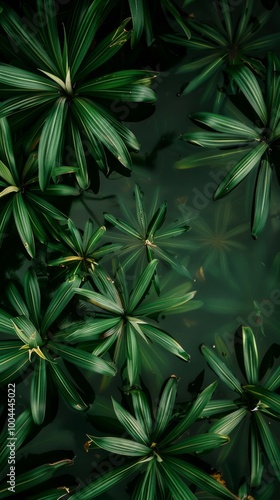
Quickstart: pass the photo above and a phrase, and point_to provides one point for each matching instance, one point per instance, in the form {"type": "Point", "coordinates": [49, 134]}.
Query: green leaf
{"type": "Point", "coordinates": [25, 80]}
{"type": "Point", "coordinates": [12, 357]}
{"type": "Point", "coordinates": [227, 125]}
{"type": "Point", "coordinates": [141, 409]}
{"type": "Point", "coordinates": [170, 7]}
{"type": "Point", "coordinates": [227, 424]}
{"type": "Point", "coordinates": [32, 296]}
{"type": "Point", "coordinates": [145, 488]}
{"type": "Point", "coordinates": [5, 215]}
{"type": "Point", "coordinates": [165, 407]}
{"type": "Point", "coordinates": [49, 31]}
{"type": "Point", "coordinates": [106, 481]}
{"type": "Point", "coordinates": [133, 92]}
{"type": "Point", "coordinates": [204, 75]}
{"type": "Point", "coordinates": [197, 444]}
{"type": "Point", "coordinates": [244, 19]}
{"type": "Point", "coordinates": [45, 207]}
{"type": "Point", "coordinates": [83, 359]}
{"type": "Point", "coordinates": [165, 341]}
{"type": "Point", "coordinates": [156, 221]}
{"type": "Point", "coordinates": [137, 12]}
{"type": "Point", "coordinates": [140, 209]}
{"type": "Point", "coordinates": [132, 352]}
{"type": "Point", "coordinates": [250, 355]}
{"type": "Point", "coordinates": [24, 40]}
{"type": "Point", "coordinates": [269, 444]}
{"type": "Point", "coordinates": [220, 368]}
{"type": "Point", "coordinates": [83, 33]}
{"type": "Point", "coordinates": [5, 172]}
{"type": "Point", "coordinates": [5, 322]}
{"type": "Point", "coordinates": [80, 159]}
{"type": "Point", "coordinates": [225, 7]}
{"type": "Point", "coordinates": [165, 305]}
{"type": "Point", "coordinates": [273, 381]}
{"type": "Point", "coordinates": [51, 141]}
{"type": "Point", "coordinates": [14, 371]}
{"type": "Point", "coordinates": [131, 425]}
{"type": "Point", "coordinates": [16, 300]}
{"type": "Point", "coordinates": [105, 49]}
{"type": "Point", "coordinates": [200, 478]}
{"type": "Point", "coordinates": [61, 298]}
{"type": "Point", "coordinates": [214, 140]}
{"type": "Point", "coordinates": [193, 413]}
{"type": "Point", "coordinates": [8, 168]}
{"type": "Point", "coordinates": [86, 331]}
{"type": "Point", "coordinates": [248, 84]}
{"type": "Point", "coordinates": [39, 102]}
{"type": "Point", "coordinates": [76, 237]}
{"type": "Point", "coordinates": [38, 391]}
{"type": "Point", "coordinates": [66, 387]}
{"type": "Point", "coordinates": [121, 225]}
{"type": "Point", "coordinates": [121, 446]}
{"type": "Point", "coordinates": [174, 483]}
{"type": "Point", "coordinates": [26, 331]}
{"type": "Point", "coordinates": [172, 261]}
{"type": "Point", "coordinates": [95, 237]}
{"type": "Point", "coordinates": [23, 224]}
{"type": "Point", "coordinates": [256, 457]}
{"type": "Point", "coordinates": [240, 170]}
{"type": "Point", "coordinates": [262, 197]}
{"type": "Point", "coordinates": [100, 301]}
{"type": "Point", "coordinates": [8, 190]}
{"type": "Point", "coordinates": [142, 285]}
{"type": "Point", "coordinates": [97, 126]}
{"type": "Point", "coordinates": [269, 398]}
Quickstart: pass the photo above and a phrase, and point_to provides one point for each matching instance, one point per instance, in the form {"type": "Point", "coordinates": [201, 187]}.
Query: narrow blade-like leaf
{"type": "Point", "coordinates": [220, 368]}
{"type": "Point", "coordinates": [262, 198]}
{"type": "Point", "coordinates": [61, 298]}
{"type": "Point", "coordinates": [240, 170]}
{"type": "Point", "coordinates": [38, 391]}
{"type": "Point", "coordinates": [83, 359]}
{"type": "Point", "coordinates": [131, 425]}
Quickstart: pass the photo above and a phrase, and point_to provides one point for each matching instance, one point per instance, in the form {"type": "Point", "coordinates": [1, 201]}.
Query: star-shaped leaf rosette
{"type": "Point", "coordinates": [127, 319]}
{"type": "Point", "coordinates": [34, 341]}
{"type": "Point", "coordinates": [158, 449]}
{"type": "Point", "coordinates": [257, 399]}
{"type": "Point", "coordinates": [148, 237]}
{"type": "Point", "coordinates": [61, 95]}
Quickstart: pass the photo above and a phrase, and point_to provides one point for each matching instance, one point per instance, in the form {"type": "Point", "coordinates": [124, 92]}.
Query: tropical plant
{"type": "Point", "coordinates": [78, 253]}
{"type": "Point", "coordinates": [261, 139]}
{"type": "Point", "coordinates": [257, 398]}
{"type": "Point", "coordinates": [24, 425]}
{"type": "Point", "coordinates": [123, 319]}
{"type": "Point", "coordinates": [33, 332]}
{"type": "Point", "coordinates": [22, 198]}
{"type": "Point", "coordinates": [155, 443]}
{"type": "Point", "coordinates": [225, 44]}
{"type": "Point", "coordinates": [148, 237]}
{"type": "Point", "coordinates": [143, 15]}
{"type": "Point", "coordinates": [60, 94]}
